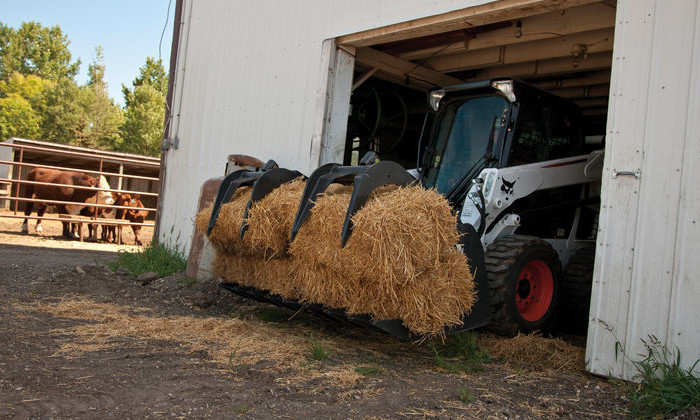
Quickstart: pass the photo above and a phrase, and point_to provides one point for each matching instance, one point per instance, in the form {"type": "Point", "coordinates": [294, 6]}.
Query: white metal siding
{"type": "Point", "coordinates": [645, 271]}
{"type": "Point", "coordinates": [249, 80]}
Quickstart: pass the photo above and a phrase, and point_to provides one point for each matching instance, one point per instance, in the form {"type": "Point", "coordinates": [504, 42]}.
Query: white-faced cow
{"type": "Point", "coordinates": [62, 192]}
{"type": "Point", "coordinates": [102, 197]}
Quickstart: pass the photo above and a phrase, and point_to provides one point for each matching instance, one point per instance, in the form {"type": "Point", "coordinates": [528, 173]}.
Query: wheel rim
{"type": "Point", "coordinates": [534, 291]}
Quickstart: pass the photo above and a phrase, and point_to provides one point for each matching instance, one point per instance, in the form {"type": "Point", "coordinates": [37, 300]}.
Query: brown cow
{"type": "Point", "coordinates": [135, 215]}
{"type": "Point", "coordinates": [56, 192]}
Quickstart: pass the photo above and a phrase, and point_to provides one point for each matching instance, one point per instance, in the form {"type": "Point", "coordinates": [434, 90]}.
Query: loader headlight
{"type": "Point", "coordinates": [506, 88]}
{"type": "Point", "coordinates": [434, 97]}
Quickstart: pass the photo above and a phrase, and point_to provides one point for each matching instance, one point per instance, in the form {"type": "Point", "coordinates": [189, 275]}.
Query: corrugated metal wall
{"type": "Point", "coordinates": [646, 263]}
{"type": "Point", "coordinates": [250, 80]}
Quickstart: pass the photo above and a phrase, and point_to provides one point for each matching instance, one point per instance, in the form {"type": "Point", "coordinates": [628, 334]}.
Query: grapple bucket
{"type": "Point", "coordinates": [478, 316]}
{"type": "Point", "coordinates": [365, 179]}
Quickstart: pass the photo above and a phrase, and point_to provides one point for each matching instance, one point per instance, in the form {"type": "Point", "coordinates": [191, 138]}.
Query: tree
{"type": "Point", "coordinates": [63, 112]}
{"type": "Point", "coordinates": [82, 115]}
{"type": "Point", "coordinates": [20, 101]}
{"type": "Point", "coordinates": [104, 117]}
{"type": "Point", "coordinates": [143, 129]}
{"type": "Point", "coordinates": [96, 71]}
{"type": "Point", "coordinates": [36, 50]}
{"type": "Point", "coordinates": [152, 73]}
{"type": "Point", "coordinates": [145, 110]}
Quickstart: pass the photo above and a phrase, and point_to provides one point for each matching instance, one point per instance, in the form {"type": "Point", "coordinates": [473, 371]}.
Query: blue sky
{"type": "Point", "coordinates": [128, 31]}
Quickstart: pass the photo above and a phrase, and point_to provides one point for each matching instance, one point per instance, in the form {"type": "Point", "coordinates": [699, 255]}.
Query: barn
{"type": "Point", "coordinates": [303, 82]}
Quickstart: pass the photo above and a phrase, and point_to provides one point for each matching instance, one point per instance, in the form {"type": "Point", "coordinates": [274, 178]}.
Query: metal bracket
{"type": "Point", "coordinates": [170, 143]}
{"type": "Point", "coordinates": [637, 174]}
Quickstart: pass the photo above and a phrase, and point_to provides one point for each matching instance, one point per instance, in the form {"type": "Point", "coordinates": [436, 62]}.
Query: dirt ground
{"type": "Point", "coordinates": [83, 342]}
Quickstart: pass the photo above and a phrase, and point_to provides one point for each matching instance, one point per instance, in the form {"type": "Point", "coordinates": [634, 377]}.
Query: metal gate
{"type": "Point", "coordinates": [29, 154]}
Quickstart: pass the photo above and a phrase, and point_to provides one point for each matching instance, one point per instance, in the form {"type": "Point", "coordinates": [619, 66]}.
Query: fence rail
{"type": "Point", "coordinates": [89, 156]}
{"type": "Point", "coordinates": [95, 157]}
{"type": "Point", "coordinates": [63, 168]}
{"type": "Point", "coordinates": [77, 187]}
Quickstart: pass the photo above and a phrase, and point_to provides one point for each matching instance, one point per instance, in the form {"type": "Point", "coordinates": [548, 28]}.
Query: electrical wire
{"type": "Point", "coordinates": [167, 18]}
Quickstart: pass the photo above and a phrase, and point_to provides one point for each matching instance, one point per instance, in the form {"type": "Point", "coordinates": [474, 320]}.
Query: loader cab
{"type": "Point", "coordinates": [494, 123]}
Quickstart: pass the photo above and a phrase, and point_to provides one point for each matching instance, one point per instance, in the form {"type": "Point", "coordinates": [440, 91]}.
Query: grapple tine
{"type": "Point", "coordinates": [365, 180]}
{"type": "Point", "coordinates": [224, 194]}
{"type": "Point", "coordinates": [308, 197]}
{"type": "Point", "coordinates": [263, 185]}
{"type": "Point", "coordinates": [381, 173]}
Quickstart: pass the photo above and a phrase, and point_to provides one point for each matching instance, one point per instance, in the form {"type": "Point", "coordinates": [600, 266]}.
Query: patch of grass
{"type": "Point", "coordinates": [241, 408]}
{"type": "Point", "coordinates": [466, 396]}
{"type": "Point", "coordinates": [156, 257]}
{"type": "Point", "coordinates": [318, 350]}
{"type": "Point", "coordinates": [370, 370]}
{"type": "Point", "coordinates": [272, 315]}
{"type": "Point", "coordinates": [460, 353]}
{"type": "Point", "coordinates": [665, 388]}
{"type": "Point", "coordinates": [234, 367]}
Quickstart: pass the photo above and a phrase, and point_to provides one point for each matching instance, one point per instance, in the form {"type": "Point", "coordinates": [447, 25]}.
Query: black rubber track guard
{"type": "Point", "coordinates": [365, 180]}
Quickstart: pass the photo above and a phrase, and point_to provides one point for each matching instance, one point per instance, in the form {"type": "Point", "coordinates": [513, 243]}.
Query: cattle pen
{"type": "Point", "coordinates": [128, 173]}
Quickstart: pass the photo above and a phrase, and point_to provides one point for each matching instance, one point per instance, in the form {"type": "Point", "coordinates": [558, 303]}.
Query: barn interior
{"type": "Point", "coordinates": [562, 47]}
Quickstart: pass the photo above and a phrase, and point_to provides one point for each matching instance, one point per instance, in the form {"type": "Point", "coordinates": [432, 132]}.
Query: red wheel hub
{"type": "Point", "coordinates": [534, 291]}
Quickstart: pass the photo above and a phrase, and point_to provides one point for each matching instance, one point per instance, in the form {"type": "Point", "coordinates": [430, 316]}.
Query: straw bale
{"type": "Point", "coordinates": [272, 275]}
{"type": "Point", "coordinates": [400, 261]}
{"type": "Point", "coordinates": [225, 234]}
{"type": "Point", "coordinates": [270, 220]}
{"type": "Point", "coordinates": [321, 270]}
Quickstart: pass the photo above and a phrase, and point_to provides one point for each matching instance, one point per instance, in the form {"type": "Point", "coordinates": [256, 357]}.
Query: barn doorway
{"type": "Point", "coordinates": [564, 48]}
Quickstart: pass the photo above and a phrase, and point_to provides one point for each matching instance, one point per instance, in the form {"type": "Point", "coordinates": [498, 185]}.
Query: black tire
{"type": "Point", "coordinates": [518, 305]}
{"type": "Point", "coordinates": [576, 290]}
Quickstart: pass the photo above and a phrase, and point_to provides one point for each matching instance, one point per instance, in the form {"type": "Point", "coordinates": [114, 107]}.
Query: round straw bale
{"type": "Point", "coordinates": [270, 220]}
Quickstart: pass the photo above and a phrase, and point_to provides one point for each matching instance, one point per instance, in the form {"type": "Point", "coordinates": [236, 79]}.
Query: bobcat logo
{"type": "Point", "coordinates": [508, 187]}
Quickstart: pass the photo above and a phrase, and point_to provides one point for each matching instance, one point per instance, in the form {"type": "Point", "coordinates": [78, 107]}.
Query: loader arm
{"type": "Point", "coordinates": [495, 190]}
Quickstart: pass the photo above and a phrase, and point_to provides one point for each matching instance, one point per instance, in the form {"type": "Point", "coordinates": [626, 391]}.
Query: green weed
{"type": "Point", "coordinates": [156, 257]}
{"type": "Point", "coordinates": [465, 396]}
{"type": "Point", "coordinates": [241, 408]}
{"type": "Point", "coordinates": [318, 350]}
{"type": "Point", "coordinates": [665, 388]}
{"type": "Point", "coordinates": [234, 367]}
{"type": "Point", "coordinates": [459, 353]}
{"type": "Point", "coordinates": [369, 370]}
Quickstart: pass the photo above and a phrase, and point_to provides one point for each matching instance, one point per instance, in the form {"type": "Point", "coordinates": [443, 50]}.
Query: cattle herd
{"type": "Point", "coordinates": [82, 189]}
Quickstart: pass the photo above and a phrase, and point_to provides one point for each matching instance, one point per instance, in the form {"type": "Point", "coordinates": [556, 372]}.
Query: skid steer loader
{"type": "Point", "coordinates": [510, 159]}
